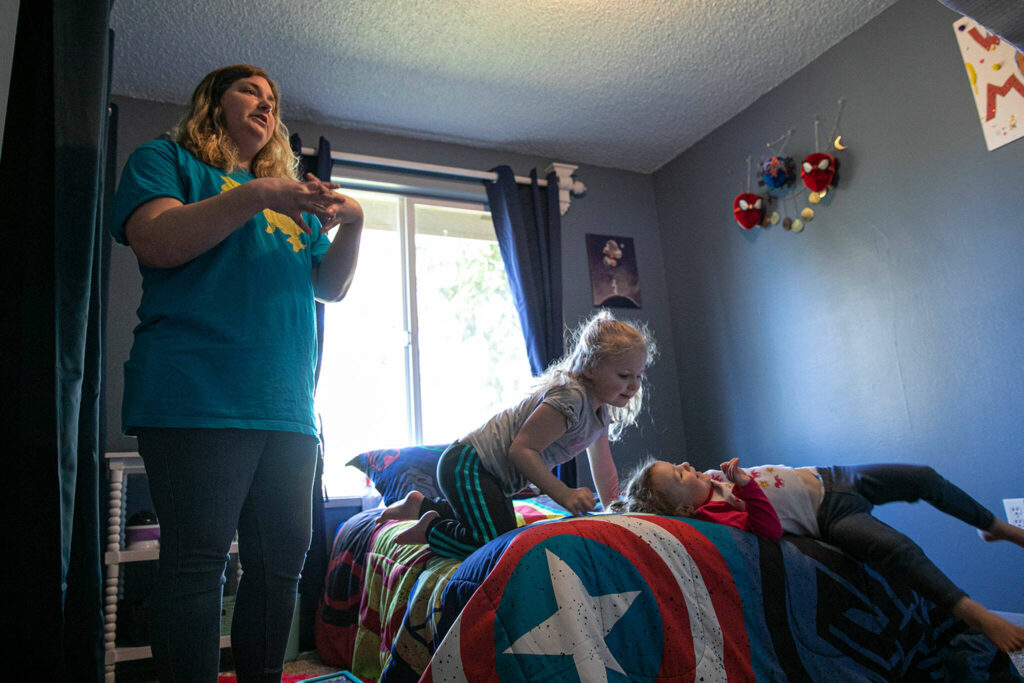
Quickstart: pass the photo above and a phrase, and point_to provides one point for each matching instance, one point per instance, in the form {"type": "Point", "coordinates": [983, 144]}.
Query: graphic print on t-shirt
{"type": "Point", "coordinates": [275, 220]}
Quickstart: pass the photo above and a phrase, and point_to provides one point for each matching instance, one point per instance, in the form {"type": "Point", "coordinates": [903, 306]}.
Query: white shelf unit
{"type": "Point", "coordinates": [119, 466]}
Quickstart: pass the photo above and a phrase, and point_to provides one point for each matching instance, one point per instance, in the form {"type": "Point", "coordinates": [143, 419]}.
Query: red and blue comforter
{"type": "Point", "coordinates": [648, 598]}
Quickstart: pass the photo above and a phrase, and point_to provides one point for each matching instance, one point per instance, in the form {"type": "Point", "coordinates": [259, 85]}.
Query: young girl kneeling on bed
{"type": "Point", "coordinates": [833, 504]}
{"type": "Point", "coordinates": [580, 403]}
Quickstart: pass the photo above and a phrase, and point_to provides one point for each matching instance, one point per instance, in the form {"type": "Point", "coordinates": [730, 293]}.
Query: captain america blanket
{"type": "Point", "coordinates": [649, 598]}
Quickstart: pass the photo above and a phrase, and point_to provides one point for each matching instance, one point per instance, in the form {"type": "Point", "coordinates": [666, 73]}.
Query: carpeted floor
{"type": "Point", "coordinates": [306, 665]}
{"type": "Point", "coordinates": [309, 663]}
{"type": "Point", "coordinates": [285, 678]}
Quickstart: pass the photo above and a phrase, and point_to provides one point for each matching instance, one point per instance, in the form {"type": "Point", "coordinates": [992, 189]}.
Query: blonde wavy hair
{"type": "Point", "coordinates": [602, 338]}
{"type": "Point", "coordinates": [639, 496]}
{"type": "Point", "coordinates": [201, 130]}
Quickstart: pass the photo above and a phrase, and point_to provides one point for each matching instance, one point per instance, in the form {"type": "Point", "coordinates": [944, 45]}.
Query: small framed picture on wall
{"type": "Point", "coordinates": [614, 280]}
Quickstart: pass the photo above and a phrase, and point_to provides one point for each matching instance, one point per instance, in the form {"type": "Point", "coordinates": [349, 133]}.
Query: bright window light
{"type": "Point", "coordinates": [427, 345]}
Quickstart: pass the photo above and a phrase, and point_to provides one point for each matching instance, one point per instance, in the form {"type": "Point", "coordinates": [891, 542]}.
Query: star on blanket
{"type": "Point", "coordinates": [592, 616]}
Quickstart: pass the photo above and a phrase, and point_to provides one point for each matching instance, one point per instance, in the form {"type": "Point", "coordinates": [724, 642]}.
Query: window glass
{"type": "Point", "coordinates": [471, 349]}
{"type": "Point", "coordinates": [360, 395]}
{"type": "Point", "coordinates": [427, 342]}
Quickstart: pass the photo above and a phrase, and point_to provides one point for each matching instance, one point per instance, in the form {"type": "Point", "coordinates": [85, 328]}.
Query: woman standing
{"type": "Point", "coordinates": [219, 385]}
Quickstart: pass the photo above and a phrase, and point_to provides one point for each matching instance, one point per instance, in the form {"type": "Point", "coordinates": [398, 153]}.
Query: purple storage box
{"type": "Point", "coordinates": [142, 536]}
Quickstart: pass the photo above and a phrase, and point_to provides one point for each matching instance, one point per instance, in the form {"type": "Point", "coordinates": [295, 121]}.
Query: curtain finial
{"type": "Point", "coordinates": [566, 185]}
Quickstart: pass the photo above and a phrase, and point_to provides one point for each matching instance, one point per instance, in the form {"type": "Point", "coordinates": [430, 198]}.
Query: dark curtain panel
{"type": "Point", "coordinates": [52, 175]}
{"type": "Point", "coordinates": [529, 229]}
{"type": "Point", "coordinates": [312, 583]}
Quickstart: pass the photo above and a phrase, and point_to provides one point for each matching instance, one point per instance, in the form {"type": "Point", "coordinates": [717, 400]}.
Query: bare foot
{"type": "Point", "coordinates": [405, 509]}
{"type": "Point", "coordinates": [1003, 531]}
{"type": "Point", "coordinates": [417, 533]}
{"type": "Point", "coordinates": [1006, 635]}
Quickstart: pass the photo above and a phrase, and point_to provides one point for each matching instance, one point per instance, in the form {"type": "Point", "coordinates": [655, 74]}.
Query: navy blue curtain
{"type": "Point", "coordinates": [312, 583]}
{"type": "Point", "coordinates": [528, 224]}
{"type": "Point", "coordinates": [53, 174]}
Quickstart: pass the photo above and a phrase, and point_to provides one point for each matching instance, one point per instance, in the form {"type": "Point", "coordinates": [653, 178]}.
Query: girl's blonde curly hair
{"type": "Point", "coordinates": [602, 338]}
{"type": "Point", "coordinates": [201, 130]}
{"type": "Point", "coordinates": [639, 496]}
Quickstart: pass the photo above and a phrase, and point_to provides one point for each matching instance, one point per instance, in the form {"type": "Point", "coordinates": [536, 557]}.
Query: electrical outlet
{"type": "Point", "coordinates": [1014, 511]}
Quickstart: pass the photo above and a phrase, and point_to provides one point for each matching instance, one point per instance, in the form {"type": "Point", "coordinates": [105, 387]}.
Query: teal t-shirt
{"type": "Point", "coordinates": [229, 338]}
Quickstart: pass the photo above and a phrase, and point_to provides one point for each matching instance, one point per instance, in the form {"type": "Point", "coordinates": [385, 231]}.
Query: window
{"type": "Point", "coordinates": [427, 344]}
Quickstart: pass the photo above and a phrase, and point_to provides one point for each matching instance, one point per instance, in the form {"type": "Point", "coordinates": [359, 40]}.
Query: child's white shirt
{"type": "Point", "coordinates": [795, 493]}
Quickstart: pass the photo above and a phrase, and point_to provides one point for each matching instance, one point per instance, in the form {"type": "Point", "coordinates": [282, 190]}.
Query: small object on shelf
{"type": "Point", "coordinates": [142, 532]}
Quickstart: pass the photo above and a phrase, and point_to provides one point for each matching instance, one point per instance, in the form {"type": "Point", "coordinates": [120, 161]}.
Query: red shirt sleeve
{"type": "Point", "coordinates": [759, 518]}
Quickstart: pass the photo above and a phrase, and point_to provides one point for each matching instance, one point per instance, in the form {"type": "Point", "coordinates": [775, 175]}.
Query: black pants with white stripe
{"type": "Point", "coordinates": [475, 508]}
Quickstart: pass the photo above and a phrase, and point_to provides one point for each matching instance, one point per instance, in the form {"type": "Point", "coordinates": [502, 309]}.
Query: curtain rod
{"type": "Point", "coordinates": [432, 169]}
{"type": "Point", "coordinates": [567, 185]}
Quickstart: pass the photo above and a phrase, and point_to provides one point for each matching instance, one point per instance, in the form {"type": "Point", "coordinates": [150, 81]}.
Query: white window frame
{"type": "Point", "coordinates": [409, 199]}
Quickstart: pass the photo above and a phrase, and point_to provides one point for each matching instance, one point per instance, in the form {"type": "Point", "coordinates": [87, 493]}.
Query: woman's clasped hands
{"type": "Point", "coordinates": [320, 198]}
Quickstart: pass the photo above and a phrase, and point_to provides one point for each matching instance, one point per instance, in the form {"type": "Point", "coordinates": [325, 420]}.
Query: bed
{"type": "Point", "coordinates": [627, 597]}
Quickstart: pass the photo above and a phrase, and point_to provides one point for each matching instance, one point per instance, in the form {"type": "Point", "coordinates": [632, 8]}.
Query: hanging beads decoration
{"type": "Point", "coordinates": [781, 203]}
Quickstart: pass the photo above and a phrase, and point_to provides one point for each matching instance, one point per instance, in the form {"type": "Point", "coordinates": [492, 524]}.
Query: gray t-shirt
{"type": "Point", "coordinates": [584, 426]}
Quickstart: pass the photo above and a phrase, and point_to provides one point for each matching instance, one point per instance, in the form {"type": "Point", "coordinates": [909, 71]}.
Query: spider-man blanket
{"type": "Point", "coordinates": [645, 598]}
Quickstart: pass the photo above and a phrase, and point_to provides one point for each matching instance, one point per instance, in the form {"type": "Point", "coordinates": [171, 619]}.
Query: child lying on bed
{"type": "Point", "coordinates": [833, 504]}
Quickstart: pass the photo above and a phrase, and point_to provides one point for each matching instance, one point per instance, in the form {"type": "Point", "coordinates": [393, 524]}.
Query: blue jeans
{"type": "Point", "coordinates": [845, 521]}
{"type": "Point", "coordinates": [205, 483]}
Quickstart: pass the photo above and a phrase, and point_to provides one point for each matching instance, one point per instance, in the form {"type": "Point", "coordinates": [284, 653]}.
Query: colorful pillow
{"type": "Point", "coordinates": [397, 471]}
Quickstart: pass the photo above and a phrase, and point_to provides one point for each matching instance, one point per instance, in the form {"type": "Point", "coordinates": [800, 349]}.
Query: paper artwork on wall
{"type": "Point", "coordinates": [614, 280]}
{"type": "Point", "coordinates": [995, 71]}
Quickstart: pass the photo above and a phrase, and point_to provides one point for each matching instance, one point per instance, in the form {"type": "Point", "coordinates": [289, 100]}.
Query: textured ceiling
{"type": "Point", "coordinates": [621, 83]}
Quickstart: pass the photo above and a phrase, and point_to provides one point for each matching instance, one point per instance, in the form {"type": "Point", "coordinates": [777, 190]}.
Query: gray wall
{"type": "Point", "coordinates": [892, 327]}
{"type": "Point", "coordinates": [8, 29]}
{"type": "Point", "coordinates": [617, 202]}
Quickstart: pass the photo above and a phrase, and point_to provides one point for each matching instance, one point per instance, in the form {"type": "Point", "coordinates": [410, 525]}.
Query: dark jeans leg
{"type": "Point", "coordinates": [845, 521]}
{"type": "Point", "coordinates": [475, 510]}
{"type": "Point", "coordinates": [274, 530]}
{"type": "Point", "coordinates": [883, 483]}
{"type": "Point", "coordinates": [200, 479]}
